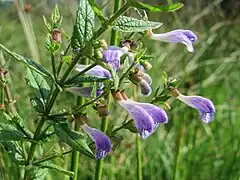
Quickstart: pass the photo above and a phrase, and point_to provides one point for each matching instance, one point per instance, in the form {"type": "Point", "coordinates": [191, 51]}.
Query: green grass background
{"type": "Point", "coordinates": [185, 148]}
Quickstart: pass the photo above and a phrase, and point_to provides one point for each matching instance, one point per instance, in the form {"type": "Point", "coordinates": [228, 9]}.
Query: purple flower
{"type": "Point", "coordinates": [83, 91]}
{"type": "Point", "coordinates": [112, 56]}
{"type": "Point", "coordinates": [143, 121]}
{"type": "Point", "coordinates": [158, 114]}
{"type": "Point", "coordinates": [146, 116]}
{"type": "Point", "coordinates": [95, 71]}
{"type": "Point", "coordinates": [204, 106]}
{"type": "Point", "coordinates": [102, 141]}
{"type": "Point", "coordinates": [185, 37]}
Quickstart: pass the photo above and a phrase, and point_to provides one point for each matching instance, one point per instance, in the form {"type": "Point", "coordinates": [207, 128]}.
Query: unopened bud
{"type": "Point", "coordinates": [57, 35]}
{"type": "Point", "coordinates": [145, 88]}
{"type": "Point", "coordinates": [98, 54]}
{"type": "Point", "coordinates": [146, 65]}
{"type": "Point", "coordinates": [103, 44]}
{"type": "Point", "coordinates": [102, 110]}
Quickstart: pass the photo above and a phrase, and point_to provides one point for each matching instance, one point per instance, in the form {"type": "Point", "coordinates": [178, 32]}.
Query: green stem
{"type": "Point", "coordinates": [75, 154]}
{"type": "Point", "coordinates": [115, 34]}
{"type": "Point", "coordinates": [61, 61]}
{"type": "Point", "coordinates": [61, 83]}
{"type": "Point", "coordinates": [104, 127]}
{"type": "Point", "coordinates": [55, 155]}
{"type": "Point", "coordinates": [53, 65]}
{"type": "Point", "coordinates": [138, 143]}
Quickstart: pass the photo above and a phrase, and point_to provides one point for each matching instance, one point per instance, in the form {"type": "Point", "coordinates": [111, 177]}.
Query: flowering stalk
{"type": "Point", "coordinates": [56, 91]}
{"type": "Point", "coordinates": [104, 125]}
{"type": "Point", "coordinates": [138, 144]}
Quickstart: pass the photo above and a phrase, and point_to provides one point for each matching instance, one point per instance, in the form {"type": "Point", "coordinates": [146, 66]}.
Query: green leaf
{"type": "Point", "coordinates": [28, 63]}
{"type": "Point", "coordinates": [85, 79]}
{"type": "Point", "coordinates": [55, 167]}
{"type": "Point", "coordinates": [37, 173]}
{"type": "Point", "coordinates": [129, 24]}
{"type": "Point", "coordinates": [164, 78]}
{"type": "Point", "coordinates": [84, 25]}
{"type": "Point", "coordinates": [38, 82]}
{"type": "Point", "coordinates": [158, 8]}
{"type": "Point", "coordinates": [10, 133]}
{"type": "Point", "coordinates": [97, 10]}
{"type": "Point", "coordinates": [17, 121]}
{"type": "Point", "coordinates": [14, 151]}
{"type": "Point", "coordinates": [130, 126]}
{"type": "Point", "coordinates": [72, 138]}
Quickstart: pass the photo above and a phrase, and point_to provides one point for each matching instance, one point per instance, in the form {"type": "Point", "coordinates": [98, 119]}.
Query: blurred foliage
{"type": "Point", "coordinates": [182, 149]}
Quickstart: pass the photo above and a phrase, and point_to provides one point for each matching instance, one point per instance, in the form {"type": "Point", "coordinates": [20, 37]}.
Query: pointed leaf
{"type": "Point", "coordinates": [97, 10]}
{"type": "Point", "coordinates": [72, 138]}
{"type": "Point", "coordinates": [129, 24]}
{"type": "Point", "coordinates": [84, 25]}
{"type": "Point", "coordinates": [29, 63]}
{"type": "Point", "coordinates": [158, 8]}
{"type": "Point", "coordinates": [10, 133]}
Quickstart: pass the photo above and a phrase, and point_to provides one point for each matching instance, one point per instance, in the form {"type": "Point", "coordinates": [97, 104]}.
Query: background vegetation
{"type": "Point", "coordinates": [185, 148]}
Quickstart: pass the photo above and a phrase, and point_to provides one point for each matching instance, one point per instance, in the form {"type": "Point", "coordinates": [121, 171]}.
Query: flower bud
{"type": "Point", "coordinates": [145, 88]}
{"type": "Point", "coordinates": [103, 44]}
{"type": "Point", "coordinates": [98, 54]}
{"type": "Point", "coordinates": [102, 110]}
{"type": "Point", "coordinates": [146, 65]}
{"type": "Point", "coordinates": [57, 35]}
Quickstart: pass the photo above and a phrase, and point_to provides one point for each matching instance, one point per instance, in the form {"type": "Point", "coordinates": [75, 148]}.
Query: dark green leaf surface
{"type": "Point", "coordinates": [28, 63]}
{"type": "Point", "coordinates": [10, 133]}
{"type": "Point", "coordinates": [84, 25]}
{"type": "Point", "coordinates": [128, 24]}
{"type": "Point", "coordinates": [72, 138]}
{"type": "Point", "coordinates": [158, 8]}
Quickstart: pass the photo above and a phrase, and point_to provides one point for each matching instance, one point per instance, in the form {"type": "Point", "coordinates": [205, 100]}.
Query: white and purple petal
{"type": "Point", "coordinates": [143, 121]}
{"type": "Point", "coordinates": [98, 71]}
{"type": "Point", "coordinates": [158, 114]}
{"type": "Point", "coordinates": [145, 87]}
{"type": "Point", "coordinates": [204, 106]}
{"type": "Point", "coordinates": [102, 141]}
{"type": "Point", "coordinates": [83, 91]}
{"type": "Point", "coordinates": [112, 56]}
{"type": "Point", "coordinates": [185, 37]}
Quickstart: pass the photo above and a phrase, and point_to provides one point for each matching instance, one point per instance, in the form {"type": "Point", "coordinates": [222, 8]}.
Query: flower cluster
{"type": "Point", "coordinates": [146, 117]}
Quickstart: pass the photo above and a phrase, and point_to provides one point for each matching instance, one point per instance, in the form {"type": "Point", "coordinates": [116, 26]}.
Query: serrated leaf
{"type": "Point", "coordinates": [28, 63]}
{"type": "Point", "coordinates": [72, 138]}
{"type": "Point", "coordinates": [97, 10]}
{"type": "Point", "coordinates": [37, 104]}
{"type": "Point", "coordinates": [84, 25]}
{"type": "Point", "coordinates": [55, 167]}
{"type": "Point", "coordinates": [38, 82]}
{"type": "Point", "coordinates": [129, 24]}
{"type": "Point", "coordinates": [14, 151]}
{"type": "Point", "coordinates": [10, 133]}
{"type": "Point", "coordinates": [17, 121]}
{"type": "Point", "coordinates": [158, 8]}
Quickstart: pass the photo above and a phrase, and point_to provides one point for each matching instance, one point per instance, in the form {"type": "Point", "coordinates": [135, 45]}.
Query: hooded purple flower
{"type": "Point", "coordinates": [112, 56]}
{"type": "Point", "coordinates": [83, 91]}
{"type": "Point", "coordinates": [185, 37]}
{"type": "Point", "coordinates": [102, 141]}
{"type": "Point", "coordinates": [204, 106]}
{"type": "Point", "coordinates": [145, 87]}
{"type": "Point", "coordinates": [143, 121]}
{"type": "Point", "coordinates": [158, 114]}
{"type": "Point", "coordinates": [95, 71]}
